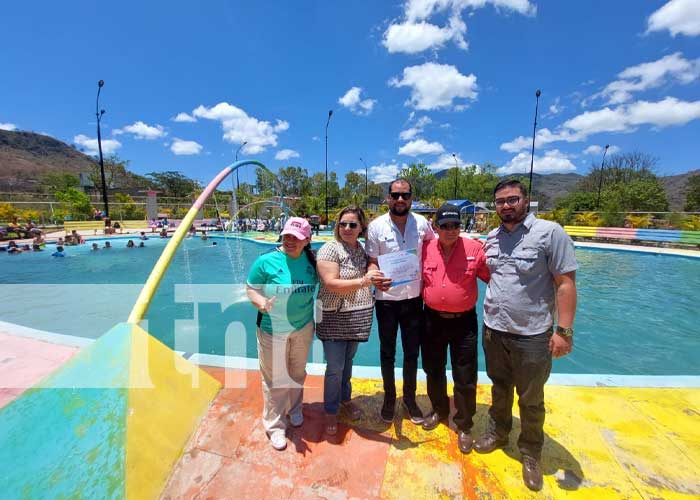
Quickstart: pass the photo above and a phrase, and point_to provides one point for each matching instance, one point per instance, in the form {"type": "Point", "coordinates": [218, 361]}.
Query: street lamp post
{"type": "Point", "coordinates": [98, 113]}
{"type": "Point", "coordinates": [534, 130]}
{"type": "Point", "coordinates": [366, 183]}
{"type": "Point", "coordinates": [237, 151]}
{"type": "Point", "coordinates": [600, 178]}
{"type": "Point", "coordinates": [456, 173]}
{"type": "Point", "coordinates": [330, 113]}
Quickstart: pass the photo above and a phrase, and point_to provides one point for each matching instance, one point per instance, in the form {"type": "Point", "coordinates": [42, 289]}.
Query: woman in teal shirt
{"type": "Point", "coordinates": [281, 285]}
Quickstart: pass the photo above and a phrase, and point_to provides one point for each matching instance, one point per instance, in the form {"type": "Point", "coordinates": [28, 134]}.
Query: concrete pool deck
{"type": "Point", "coordinates": [605, 442]}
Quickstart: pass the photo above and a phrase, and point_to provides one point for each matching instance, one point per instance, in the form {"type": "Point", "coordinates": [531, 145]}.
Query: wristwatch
{"type": "Point", "coordinates": [565, 332]}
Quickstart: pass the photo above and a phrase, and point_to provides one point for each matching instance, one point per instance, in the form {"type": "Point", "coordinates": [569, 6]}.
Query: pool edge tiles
{"type": "Point", "coordinates": [106, 413]}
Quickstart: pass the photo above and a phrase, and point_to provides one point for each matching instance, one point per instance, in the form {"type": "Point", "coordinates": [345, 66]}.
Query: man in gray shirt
{"type": "Point", "coordinates": [533, 279]}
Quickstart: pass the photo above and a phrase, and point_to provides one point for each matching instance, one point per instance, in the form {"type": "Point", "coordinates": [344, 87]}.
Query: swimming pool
{"type": "Point", "coordinates": [636, 312]}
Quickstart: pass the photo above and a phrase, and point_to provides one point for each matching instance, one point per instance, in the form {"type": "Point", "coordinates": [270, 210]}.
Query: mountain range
{"type": "Point", "coordinates": [26, 156]}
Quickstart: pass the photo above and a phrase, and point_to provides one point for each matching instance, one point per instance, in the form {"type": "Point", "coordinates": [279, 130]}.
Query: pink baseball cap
{"type": "Point", "coordinates": [297, 227]}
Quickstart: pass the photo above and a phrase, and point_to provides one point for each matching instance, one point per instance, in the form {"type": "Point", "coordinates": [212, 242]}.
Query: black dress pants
{"type": "Point", "coordinates": [408, 314]}
{"type": "Point", "coordinates": [459, 335]}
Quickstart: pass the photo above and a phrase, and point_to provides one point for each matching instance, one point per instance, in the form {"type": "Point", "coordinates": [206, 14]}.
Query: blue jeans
{"type": "Point", "coordinates": [336, 384]}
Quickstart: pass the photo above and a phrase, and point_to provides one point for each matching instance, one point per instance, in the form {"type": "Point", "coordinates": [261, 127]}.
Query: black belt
{"type": "Point", "coordinates": [450, 315]}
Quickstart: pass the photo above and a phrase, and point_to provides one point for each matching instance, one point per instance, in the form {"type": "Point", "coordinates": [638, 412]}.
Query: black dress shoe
{"type": "Point", "coordinates": [414, 412]}
{"type": "Point", "coordinates": [465, 441]}
{"type": "Point", "coordinates": [532, 473]}
{"type": "Point", "coordinates": [489, 442]}
{"type": "Point", "coordinates": [432, 421]}
{"type": "Point", "coordinates": [387, 411]}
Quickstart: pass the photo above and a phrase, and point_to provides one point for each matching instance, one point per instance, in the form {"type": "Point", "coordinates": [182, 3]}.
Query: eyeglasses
{"type": "Point", "coordinates": [511, 200]}
{"type": "Point", "coordinates": [396, 196]}
{"type": "Point", "coordinates": [351, 225]}
{"type": "Point", "coordinates": [449, 226]}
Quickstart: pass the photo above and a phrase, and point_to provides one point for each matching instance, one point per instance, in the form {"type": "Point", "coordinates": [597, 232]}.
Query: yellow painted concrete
{"type": "Point", "coordinates": [600, 443]}
{"type": "Point", "coordinates": [168, 397]}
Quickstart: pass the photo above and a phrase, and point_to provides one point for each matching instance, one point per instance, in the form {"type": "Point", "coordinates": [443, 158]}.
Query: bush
{"type": "Point", "coordinates": [691, 223]}
{"type": "Point", "coordinates": [588, 219]}
{"type": "Point", "coordinates": [7, 212]}
{"type": "Point", "coordinates": [642, 221]}
{"type": "Point", "coordinates": [612, 215]}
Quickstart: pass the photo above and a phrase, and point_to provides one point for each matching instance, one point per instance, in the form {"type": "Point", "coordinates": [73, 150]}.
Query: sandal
{"type": "Point", "coordinates": [331, 424]}
{"type": "Point", "coordinates": [353, 411]}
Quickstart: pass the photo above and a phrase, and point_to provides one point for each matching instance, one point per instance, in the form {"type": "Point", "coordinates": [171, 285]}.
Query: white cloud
{"type": "Point", "coordinates": [413, 37]}
{"type": "Point", "coordinates": [181, 147]}
{"type": "Point", "coordinates": [421, 147]}
{"type": "Point", "coordinates": [435, 86]}
{"type": "Point", "coordinates": [89, 145]}
{"type": "Point", "coordinates": [184, 117]}
{"type": "Point", "coordinates": [626, 118]}
{"type": "Point", "coordinates": [286, 154]}
{"type": "Point", "coordinates": [677, 16]}
{"type": "Point", "coordinates": [316, 138]}
{"type": "Point", "coordinates": [596, 150]}
{"type": "Point", "coordinates": [650, 75]}
{"type": "Point", "coordinates": [555, 108]}
{"type": "Point", "coordinates": [141, 130]}
{"type": "Point", "coordinates": [239, 127]}
{"type": "Point", "coordinates": [445, 161]}
{"type": "Point", "coordinates": [355, 104]}
{"type": "Point", "coordinates": [552, 161]}
{"type": "Point", "coordinates": [383, 172]}
{"type": "Point", "coordinates": [8, 126]}
{"type": "Point", "coordinates": [416, 129]}
{"type": "Point", "coordinates": [544, 136]}
{"type": "Point", "coordinates": [413, 33]}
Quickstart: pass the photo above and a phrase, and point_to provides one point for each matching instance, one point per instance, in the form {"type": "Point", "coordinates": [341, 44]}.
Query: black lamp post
{"type": "Point", "coordinates": [534, 130]}
{"type": "Point", "coordinates": [98, 113]}
{"type": "Point", "coordinates": [456, 173]}
{"type": "Point", "coordinates": [600, 179]}
{"type": "Point", "coordinates": [366, 183]}
{"type": "Point", "coordinates": [330, 113]}
{"type": "Point", "coordinates": [237, 151]}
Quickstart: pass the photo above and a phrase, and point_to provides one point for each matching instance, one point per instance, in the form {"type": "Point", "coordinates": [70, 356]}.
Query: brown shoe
{"type": "Point", "coordinates": [489, 442]}
{"type": "Point", "coordinates": [432, 421]}
{"type": "Point", "coordinates": [532, 473]}
{"type": "Point", "coordinates": [465, 442]}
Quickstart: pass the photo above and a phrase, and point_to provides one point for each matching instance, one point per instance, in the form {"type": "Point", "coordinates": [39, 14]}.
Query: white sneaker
{"type": "Point", "coordinates": [278, 440]}
{"type": "Point", "coordinates": [296, 419]}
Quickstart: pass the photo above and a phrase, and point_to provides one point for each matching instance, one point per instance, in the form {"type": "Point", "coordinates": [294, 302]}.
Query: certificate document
{"type": "Point", "coordinates": [401, 267]}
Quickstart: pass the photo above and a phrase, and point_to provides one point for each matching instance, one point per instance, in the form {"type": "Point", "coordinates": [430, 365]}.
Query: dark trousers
{"type": "Point", "coordinates": [409, 315]}
{"type": "Point", "coordinates": [523, 362]}
{"type": "Point", "coordinates": [460, 336]}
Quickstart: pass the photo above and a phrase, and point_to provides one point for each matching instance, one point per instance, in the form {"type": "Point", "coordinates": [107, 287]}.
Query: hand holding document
{"type": "Point", "coordinates": [400, 267]}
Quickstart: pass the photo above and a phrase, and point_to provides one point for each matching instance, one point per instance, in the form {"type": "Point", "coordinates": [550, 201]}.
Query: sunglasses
{"type": "Point", "coordinates": [449, 226]}
{"type": "Point", "coordinates": [396, 196]}
{"type": "Point", "coordinates": [351, 225]}
{"type": "Point", "coordinates": [511, 200]}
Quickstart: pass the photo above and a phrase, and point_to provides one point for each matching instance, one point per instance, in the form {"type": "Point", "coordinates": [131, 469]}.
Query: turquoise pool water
{"type": "Point", "coordinates": [637, 313]}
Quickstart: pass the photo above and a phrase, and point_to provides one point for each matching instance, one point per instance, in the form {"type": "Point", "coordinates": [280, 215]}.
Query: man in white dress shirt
{"type": "Point", "coordinates": [400, 230]}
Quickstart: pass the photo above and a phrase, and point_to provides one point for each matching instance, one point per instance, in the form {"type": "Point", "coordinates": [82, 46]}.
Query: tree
{"type": "Point", "coordinates": [265, 182]}
{"type": "Point", "coordinates": [692, 197]}
{"type": "Point", "coordinates": [641, 195]}
{"type": "Point", "coordinates": [75, 202]}
{"type": "Point", "coordinates": [127, 209]}
{"type": "Point", "coordinates": [173, 184]}
{"type": "Point", "coordinates": [421, 178]}
{"type": "Point", "coordinates": [59, 181]}
{"type": "Point", "coordinates": [293, 180]}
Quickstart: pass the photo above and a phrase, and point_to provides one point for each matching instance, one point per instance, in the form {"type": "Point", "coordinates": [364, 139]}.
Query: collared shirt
{"type": "Point", "coordinates": [451, 287]}
{"type": "Point", "coordinates": [520, 297]}
{"type": "Point", "coordinates": [383, 237]}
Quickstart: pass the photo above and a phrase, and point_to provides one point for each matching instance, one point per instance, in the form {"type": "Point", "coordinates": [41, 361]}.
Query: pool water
{"type": "Point", "coordinates": [637, 313]}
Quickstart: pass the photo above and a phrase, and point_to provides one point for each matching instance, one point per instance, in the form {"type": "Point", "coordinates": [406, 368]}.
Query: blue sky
{"type": "Point", "coordinates": [187, 82]}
